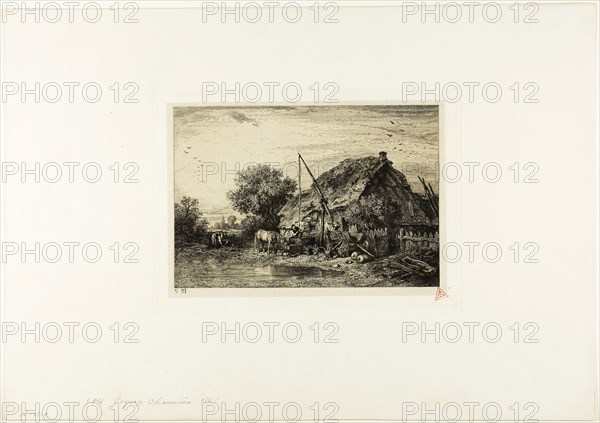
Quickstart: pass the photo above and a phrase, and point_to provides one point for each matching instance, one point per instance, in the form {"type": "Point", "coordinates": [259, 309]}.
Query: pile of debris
{"type": "Point", "coordinates": [396, 266]}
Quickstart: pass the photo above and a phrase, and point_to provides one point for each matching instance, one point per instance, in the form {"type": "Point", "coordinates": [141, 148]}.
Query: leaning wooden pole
{"type": "Point", "coordinates": [322, 224]}
{"type": "Point", "coordinates": [299, 192]}
{"type": "Point", "coordinates": [323, 201]}
{"type": "Point", "coordinates": [433, 198]}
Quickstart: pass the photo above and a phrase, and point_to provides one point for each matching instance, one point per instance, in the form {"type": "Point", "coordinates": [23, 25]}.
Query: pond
{"type": "Point", "coordinates": [270, 272]}
{"type": "Point", "coordinates": [301, 271]}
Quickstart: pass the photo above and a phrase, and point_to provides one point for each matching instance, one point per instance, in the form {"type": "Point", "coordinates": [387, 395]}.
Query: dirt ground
{"type": "Point", "coordinates": [229, 267]}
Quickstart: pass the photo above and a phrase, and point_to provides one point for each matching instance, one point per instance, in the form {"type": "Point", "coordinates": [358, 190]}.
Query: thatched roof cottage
{"type": "Point", "coordinates": [351, 180]}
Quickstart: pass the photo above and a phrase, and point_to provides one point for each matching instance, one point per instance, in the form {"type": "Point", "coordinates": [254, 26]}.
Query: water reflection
{"type": "Point", "coordinates": [271, 272]}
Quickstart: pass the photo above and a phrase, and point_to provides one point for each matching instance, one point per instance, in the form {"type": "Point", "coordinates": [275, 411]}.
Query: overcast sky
{"type": "Point", "coordinates": [210, 143]}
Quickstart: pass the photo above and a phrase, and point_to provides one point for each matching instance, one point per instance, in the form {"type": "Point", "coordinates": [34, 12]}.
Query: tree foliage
{"type": "Point", "coordinates": [250, 224]}
{"type": "Point", "coordinates": [230, 223]}
{"type": "Point", "coordinates": [261, 192]}
{"type": "Point", "coordinates": [190, 226]}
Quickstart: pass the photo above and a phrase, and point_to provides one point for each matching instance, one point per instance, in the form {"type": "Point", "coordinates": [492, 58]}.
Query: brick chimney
{"type": "Point", "coordinates": [383, 156]}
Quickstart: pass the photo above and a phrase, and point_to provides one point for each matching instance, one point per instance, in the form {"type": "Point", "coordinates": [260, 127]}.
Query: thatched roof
{"type": "Point", "coordinates": [350, 180]}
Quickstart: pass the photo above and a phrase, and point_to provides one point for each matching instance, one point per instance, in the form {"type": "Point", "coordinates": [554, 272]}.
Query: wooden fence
{"type": "Point", "coordinates": [378, 242]}
{"type": "Point", "coordinates": [408, 240]}
{"type": "Point", "coordinates": [375, 241]}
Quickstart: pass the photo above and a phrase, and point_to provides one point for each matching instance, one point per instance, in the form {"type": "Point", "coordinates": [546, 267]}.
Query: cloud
{"type": "Point", "coordinates": [241, 118]}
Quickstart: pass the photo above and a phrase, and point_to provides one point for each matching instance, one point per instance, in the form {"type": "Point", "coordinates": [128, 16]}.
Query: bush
{"type": "Point", "coordinates": [190, 226]}
{"type": "Point", "coordinates": [373, 212]}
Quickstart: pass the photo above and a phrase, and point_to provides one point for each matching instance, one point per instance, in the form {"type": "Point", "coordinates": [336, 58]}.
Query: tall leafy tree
{"type": "Point", "coordinates": [262, 191]}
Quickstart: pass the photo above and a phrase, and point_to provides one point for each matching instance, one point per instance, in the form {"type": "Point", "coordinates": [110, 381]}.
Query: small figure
{"type": "Point", "coordinates": [295, 231]}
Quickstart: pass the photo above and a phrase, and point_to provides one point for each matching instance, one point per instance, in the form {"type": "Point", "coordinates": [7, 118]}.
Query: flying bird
{"type": "Point", "coordinates": [394, 123]}
{"type": "Point", "coordinates": [389, 135]}
{"type": "Point", "coordinates": [189, 148]}
{"type": "Point", "coordinates": [185, 152]}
